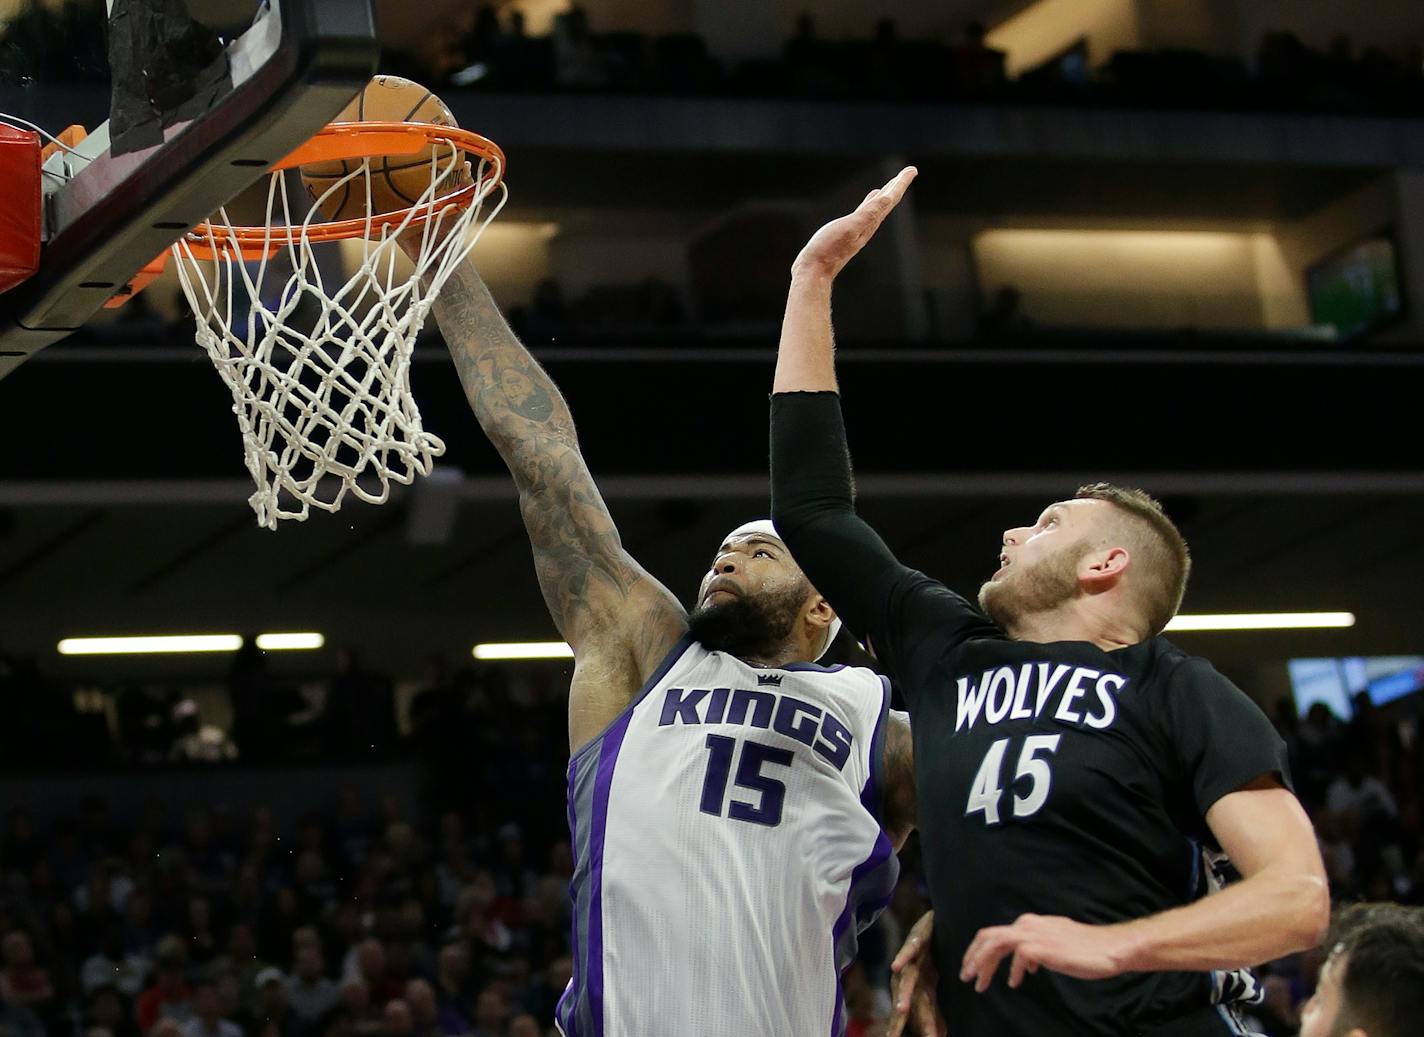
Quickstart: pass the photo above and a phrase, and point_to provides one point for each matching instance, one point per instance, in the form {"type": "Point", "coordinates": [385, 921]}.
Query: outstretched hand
{"type": "Point", "coordinates": [1058, 944]}
{"type": "Point", "coordinates": [912, 984]}
{"type": "Point", "coordinates": [836, 244]}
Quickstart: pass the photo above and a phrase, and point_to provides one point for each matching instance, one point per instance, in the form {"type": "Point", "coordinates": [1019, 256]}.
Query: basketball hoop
{"type": "Point", "coordinates": [320, 372]}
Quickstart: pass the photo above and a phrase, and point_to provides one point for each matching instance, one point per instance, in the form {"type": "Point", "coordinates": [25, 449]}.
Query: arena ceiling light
{"type": "Point", "coordinates": [303, 642]}
{"type": "Point", "coordinates": [182, 644]}
{"type": "Point", "coordinates": [523, 650]}
{"type": "Point", "coordinates": [1264, 621]}
{"type": "Point", "coordinates": [150, 644]}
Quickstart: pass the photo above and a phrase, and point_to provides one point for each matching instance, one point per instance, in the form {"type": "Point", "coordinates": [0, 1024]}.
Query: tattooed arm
{"type": "Point", "coordinates": [619, 620]}
{"type": "Point", "coordinates": [898, 801]}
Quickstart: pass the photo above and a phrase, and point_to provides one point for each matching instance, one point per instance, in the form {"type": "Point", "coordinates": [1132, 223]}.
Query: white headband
{"type": "Point", "coordinates": [765, 528]}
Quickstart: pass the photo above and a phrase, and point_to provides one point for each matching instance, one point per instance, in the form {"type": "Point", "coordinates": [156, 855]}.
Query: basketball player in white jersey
{"type": "Point", "coordinates": [734, 807]}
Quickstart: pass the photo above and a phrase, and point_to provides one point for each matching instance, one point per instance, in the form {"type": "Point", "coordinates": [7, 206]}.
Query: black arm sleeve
{"type": "Point", "coordinates": [907, 616]}
{"type": "Point", "coordinates": [812, 506]}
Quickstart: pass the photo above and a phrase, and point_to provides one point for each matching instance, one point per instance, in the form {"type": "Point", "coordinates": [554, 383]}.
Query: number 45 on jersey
{"type": "Point", "coordinates": [987, 792]}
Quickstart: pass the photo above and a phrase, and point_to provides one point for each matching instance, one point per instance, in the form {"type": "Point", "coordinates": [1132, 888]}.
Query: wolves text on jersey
{"type": "Point", "coordinates": [1085, 696]}
{"type": "Point", "coordinates": [809, 724]}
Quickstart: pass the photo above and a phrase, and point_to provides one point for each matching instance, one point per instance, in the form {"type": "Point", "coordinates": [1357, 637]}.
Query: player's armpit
{"type": "Point", "coordinates": [1281, 905]}
{"type": "Point", "coordinates": [898, 769]}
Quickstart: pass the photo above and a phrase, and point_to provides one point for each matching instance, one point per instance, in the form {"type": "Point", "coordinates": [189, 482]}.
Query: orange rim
{"type": "Point", "coordinates": [345, 140]}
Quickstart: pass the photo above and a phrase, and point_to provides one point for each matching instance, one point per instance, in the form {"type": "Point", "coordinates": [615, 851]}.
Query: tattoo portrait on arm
{"type": "Point", "coordinates": [527, 398]}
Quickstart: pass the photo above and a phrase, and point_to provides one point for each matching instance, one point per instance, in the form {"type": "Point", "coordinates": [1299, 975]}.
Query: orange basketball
{"type": "Point", "coordinates": [397, 181]}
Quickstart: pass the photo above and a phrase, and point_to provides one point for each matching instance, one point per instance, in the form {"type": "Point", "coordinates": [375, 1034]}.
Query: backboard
{"type": "Point", "coordinates": [108, 211]}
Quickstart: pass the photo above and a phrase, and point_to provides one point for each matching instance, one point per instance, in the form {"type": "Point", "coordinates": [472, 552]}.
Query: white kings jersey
{"type": "Point", "coordinates": [728, 851]}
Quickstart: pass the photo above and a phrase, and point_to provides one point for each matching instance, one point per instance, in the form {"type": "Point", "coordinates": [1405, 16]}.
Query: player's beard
{"type": "Point", "coordinates": [1041, 587]}
{"type": "Point", "coordinates": [748, 626]}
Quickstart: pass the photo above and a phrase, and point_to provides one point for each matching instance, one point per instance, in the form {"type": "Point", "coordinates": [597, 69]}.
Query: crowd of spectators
{"type": "Point", "coordinates": [1362, 782]}
{"type": "Point", "coordinates": [886, 66]}
{"type": "Point", "coordinates": [447, 914]}
{"type": "Point", "coordinates": [488, 49]}
{"type": "Point", "coordinates": [361, 921]}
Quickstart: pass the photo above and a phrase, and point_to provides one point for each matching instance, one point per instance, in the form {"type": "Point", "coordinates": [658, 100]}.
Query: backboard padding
{"type": "Point", "coordinates": [293, 70]}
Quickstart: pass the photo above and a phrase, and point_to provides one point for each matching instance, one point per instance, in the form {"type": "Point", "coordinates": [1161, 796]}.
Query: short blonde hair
{"type": "Point", "coordinates": [1157, 545]}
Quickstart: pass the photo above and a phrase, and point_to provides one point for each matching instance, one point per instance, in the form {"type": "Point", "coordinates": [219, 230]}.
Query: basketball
{"type": "Point", "coordinates": [397, 181]}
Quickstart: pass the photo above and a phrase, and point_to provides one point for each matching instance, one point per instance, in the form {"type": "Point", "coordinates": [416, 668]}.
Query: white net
{"type": "Point", "coordinates": [319, 364]}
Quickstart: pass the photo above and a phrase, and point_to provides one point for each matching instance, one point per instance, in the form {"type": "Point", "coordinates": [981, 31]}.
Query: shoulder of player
{"type": "Point", "coordinates": [1170, 670]}
{"type": "Point", "coordinates": [959, 621]}
{"type": "Point", "coordinates": [913, 584]}
{"type": "Point", "coordinates": [609, 681]}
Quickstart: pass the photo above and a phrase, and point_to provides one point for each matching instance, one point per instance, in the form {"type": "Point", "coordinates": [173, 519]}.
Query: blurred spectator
{"type": "Point", "coordinates": [491, 1011]}
{"type": "Point", "coordinates": [140, 934]}
{"type": "Point", "coordinates": [113, 966]}
{"type": "Point", "coordinates": [23, 984]}
{"type": "Point", "coordinates": [1004, 316]}
{"type": "Point", "coordinates": [206, 1020]}
{"type": "Point", "coordinates": [107, 1010]}
{"type": "Point", "coordinates": [978, 68]}
{"type": "Point", "coordinates": [279, 919]}
{"type": "Point", "coordinates": [360, 715]}
{"type": "Point", "coordinates": [195, 741]}
{"type": "Point", "coordinates": [311, 994]}
{"type": "Point", "coordinates": [543, 994]}
{"type": "Point", "coordinates": [398, 1020]}
{"type": "Point", "coordinates": [367, 962]}
{"type": "Point", "coordinates": [254, 697]}
{"type": "Point", "coordinates": [18, 1021]}
{"type": "Point", "coordinates": [273, 1015]}
{"type": "Point", "coordinates": [452, 989]}
{"type": "Point", "coordinates": [198, 930]}
{"type": "Point", "coordinates": [1359, 794]}
{"type": "Point", "coordinates": [241, 961]}
{"type": "Point", "coordinates": [425, 1016]}
{"type": "Point", "coordinates": [97, 915]}
{"type": "Point", "coordinates": [168, 996]}
{"type": "Point", "coordinates": [20, 850]}
{"type": "Point", "coordinates": [809, 60]}
{"type": "Point", "coordinates": [524, 1025]}
{"type": "Point", "coordinates": [366, 1015]}
{"type": "Point", "coordinates": [577, 62]}
{"type": "Point", "coordinates": [861, 1010]}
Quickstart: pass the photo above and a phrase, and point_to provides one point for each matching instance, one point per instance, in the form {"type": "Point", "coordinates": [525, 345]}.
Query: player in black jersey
{"type": "Point", "coordinates": [1072, 765]}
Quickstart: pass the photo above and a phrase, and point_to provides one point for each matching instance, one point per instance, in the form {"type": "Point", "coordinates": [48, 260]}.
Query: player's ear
{"type": "Point", "coordinates": [1100, 570]}
{"type": "Point", "coordinates": [818, 611]}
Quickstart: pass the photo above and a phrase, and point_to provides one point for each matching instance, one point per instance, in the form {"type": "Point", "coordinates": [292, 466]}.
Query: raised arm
{"type": "Point", "coordinates": [811, 489]}
{"type": "Point", "coordinates": [805, 359]}
{"type": "Point", "coordinates": [812, 492]}
{"type": "Point", "coordinates": [619, 620]}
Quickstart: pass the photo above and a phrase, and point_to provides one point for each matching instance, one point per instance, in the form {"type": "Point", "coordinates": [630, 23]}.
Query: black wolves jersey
{"type": "Point", "coordinates": [1056, 779]}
